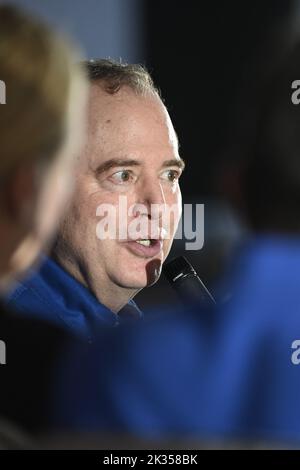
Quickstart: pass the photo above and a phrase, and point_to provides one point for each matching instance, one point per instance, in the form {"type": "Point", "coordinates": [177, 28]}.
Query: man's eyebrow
{"type": "Point", "coordinates": [115, 162]}
{"type": "Point", "coordinates": [174, 162]}
{"type": "Point", "coordinates": [119, 162]}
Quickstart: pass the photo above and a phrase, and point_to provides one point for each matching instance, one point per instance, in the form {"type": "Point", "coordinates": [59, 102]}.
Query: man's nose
{"type": "Point", "coordinates": [151, 195]}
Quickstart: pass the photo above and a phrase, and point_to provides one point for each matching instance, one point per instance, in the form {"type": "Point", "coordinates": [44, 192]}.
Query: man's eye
{"type": "Point", "coordinates": [171, 175]}
{"type": "Point", "coordinates": [122, 176]}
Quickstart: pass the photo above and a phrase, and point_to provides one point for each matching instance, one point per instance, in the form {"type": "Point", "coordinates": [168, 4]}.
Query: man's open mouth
{"type": "Point", "coordinates": [146, 242]}
{"type": "Point", "coordinates": [145, 247]}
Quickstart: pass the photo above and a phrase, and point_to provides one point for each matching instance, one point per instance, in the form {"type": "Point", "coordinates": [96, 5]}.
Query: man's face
{"type": "Point", "coordinates": [132, 153]}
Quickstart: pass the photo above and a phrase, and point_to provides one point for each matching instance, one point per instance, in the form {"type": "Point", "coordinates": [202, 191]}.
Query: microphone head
{"type": "Point", "coordinates": [185, 280]}
{"type": "Point", "coordinates": [177, 268]}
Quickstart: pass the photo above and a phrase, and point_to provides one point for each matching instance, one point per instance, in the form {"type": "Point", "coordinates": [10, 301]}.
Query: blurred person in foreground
{"type": "Point", "coordinates": [127, 177]}
{"type": "Point", "coordinates": [233, 373]}
{"type": "Point", "coordinates": [41, 129]}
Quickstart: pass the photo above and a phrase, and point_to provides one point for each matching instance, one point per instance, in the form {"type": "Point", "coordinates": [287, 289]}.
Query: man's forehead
{"type": "Point", "coordinates": [126, 100]}
{"type": "Point", "coordinates": [127, 112]}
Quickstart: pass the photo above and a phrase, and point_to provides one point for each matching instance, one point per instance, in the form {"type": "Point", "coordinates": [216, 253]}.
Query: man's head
{"type": "Point", "coordinates": [38, 122]}
{"type": "Point", "coordinates": [131, 156]}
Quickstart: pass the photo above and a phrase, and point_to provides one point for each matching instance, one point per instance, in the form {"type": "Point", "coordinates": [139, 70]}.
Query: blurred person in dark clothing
{"type": "Point", "coordinates": [41, 129]}
{"type": "Point", "coordinates": [233, 373]}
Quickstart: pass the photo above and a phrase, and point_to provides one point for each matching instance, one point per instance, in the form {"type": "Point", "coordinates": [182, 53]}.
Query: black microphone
{"type": "Point", "coordinates": [184, 279]}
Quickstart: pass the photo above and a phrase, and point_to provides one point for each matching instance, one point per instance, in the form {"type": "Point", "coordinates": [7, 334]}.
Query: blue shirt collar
{"type": "Point", "coordinates": [52, 293]}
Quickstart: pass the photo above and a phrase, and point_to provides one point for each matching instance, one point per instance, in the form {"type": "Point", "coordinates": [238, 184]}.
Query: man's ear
{"type": "Point", "coordinates": [19, 195]}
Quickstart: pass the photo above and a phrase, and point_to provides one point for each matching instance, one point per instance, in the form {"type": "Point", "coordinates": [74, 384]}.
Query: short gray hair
{"type": "Point", "coordinates": [114, 75]}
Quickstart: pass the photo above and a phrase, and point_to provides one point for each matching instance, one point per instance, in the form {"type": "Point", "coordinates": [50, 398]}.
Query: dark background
{"type": "Point", "coordinates": [197, 52]}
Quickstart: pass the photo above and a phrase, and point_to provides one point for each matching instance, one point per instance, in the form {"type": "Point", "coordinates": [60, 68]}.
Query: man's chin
{"type": "Point", "coordinates": [146, 278]}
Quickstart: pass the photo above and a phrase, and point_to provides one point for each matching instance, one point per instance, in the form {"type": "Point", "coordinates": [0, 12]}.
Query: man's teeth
{"type": "Point", "coordinates": [144, 242]}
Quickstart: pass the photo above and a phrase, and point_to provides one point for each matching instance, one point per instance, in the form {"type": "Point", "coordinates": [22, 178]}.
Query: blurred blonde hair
{"type": "Point", "coordinates": [44, 83]}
